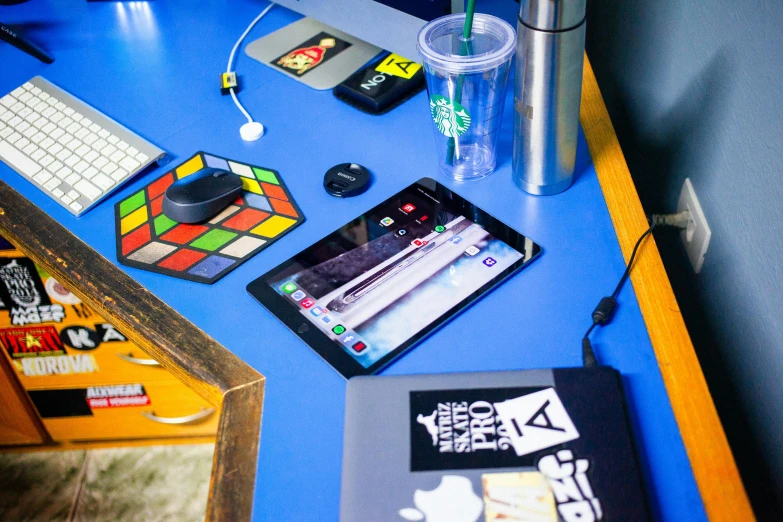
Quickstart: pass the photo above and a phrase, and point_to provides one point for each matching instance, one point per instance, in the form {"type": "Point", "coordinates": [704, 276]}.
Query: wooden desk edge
{"type": "Point", "coordinates": [199, 361]}
{"type": "Point", "coordinates": [225, 380]}
{"type": "Point", "coordinates": [708, 450]}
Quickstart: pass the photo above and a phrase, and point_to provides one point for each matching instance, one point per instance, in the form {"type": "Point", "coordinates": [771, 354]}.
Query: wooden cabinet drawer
{"type": "Point", "coordinates": [135, 410]}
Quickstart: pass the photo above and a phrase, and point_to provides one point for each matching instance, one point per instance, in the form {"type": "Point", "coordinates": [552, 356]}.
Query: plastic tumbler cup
{"type": "Point", "coordinates": [466, 84]}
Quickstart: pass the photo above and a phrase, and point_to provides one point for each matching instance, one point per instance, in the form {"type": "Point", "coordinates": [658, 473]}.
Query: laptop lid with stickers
{"type": "Point", "coordinates": [533, 446]}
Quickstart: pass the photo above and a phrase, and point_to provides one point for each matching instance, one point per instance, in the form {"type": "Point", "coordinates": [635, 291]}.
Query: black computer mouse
{"type": "Point", "coordinates": [201, 195]}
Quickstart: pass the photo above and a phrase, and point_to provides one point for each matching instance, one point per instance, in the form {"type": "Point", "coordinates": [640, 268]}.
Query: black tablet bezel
{"type": "Point", "coordinates": [341, 361]}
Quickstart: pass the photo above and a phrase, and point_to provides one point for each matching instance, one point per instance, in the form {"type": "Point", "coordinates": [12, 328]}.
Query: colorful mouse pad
{"type": "Point", "coordinates": [204, 252]}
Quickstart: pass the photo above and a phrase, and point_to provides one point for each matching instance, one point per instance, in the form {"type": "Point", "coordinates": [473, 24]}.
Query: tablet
{"type": "Point", "coordinates": [371, 290]}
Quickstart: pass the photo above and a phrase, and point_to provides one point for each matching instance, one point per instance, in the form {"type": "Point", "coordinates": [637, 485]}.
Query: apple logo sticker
{"type": "Point", "coordinates": [452, 501]}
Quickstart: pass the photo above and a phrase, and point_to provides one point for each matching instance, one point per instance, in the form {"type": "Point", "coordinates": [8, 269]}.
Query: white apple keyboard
{"type": "Point", "coordinates": [71, 151]}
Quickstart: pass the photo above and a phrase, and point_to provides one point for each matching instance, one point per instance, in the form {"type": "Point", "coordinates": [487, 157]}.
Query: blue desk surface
{"type": "Point", "coordinates": [154, 67]}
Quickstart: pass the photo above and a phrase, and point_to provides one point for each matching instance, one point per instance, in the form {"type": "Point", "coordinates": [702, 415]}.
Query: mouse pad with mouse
{"type": "Point", "coordinates": [204, 252]}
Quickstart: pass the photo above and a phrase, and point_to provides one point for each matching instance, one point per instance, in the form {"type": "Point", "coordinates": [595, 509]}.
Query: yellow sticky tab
{"type": "Point", "coordinates": [189, 167]}
{"type": "Point", "coordinates": [133, 220]}
{"type": "Point", "coordinates": [273, 226]}
{"type": "Point", "coordinates": [396, 65]}
{"type": "Point", "coordinates": [251, 185]}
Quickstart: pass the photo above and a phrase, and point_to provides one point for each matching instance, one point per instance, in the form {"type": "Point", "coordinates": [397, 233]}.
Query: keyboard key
{"type": "Point", "coordinates": [16, 121]}
{"type": "Point", "coordinates": [117, 156]}
{"type": "Point", "coordinates": [81, 166]}
{"type": "Point", "coordinates": [54, 167]}
{"type": "Point", "coordinates": [38, 138]}
{"type": "Point", "coordinates": [63, 173]}
{"type": "Point", "coordinates": [52, 101]}
{"type": "Point", "coordinates": [129, 164]}
{"type": "Point", "coordinates": [7, 115]}
{"type": "Point", "coordinates": [113, 139]}
{"type": "Point", "coordinates": [32, 102]}
{"type": "Point", "coordinates": [98, 145]}
{"type": "Point", "coordinates": [74, 144]}
{"type": "Point", "coordinates": [132, 152]}
{"type": "Point", "coordinates": [48, 128]}
{"type": "Point", "coordinates": [56, 133]}
{"type": "Point", "coordinates": [91, 156]}
{"type": "Point", "coordinates": [60, 106]}
{"type": "Point", "coordinates": [109, 168]}
{"type": "Point", "coordinates": [37, 155]}
{"type": "Point", "coordinates": [45, 144]}
{"type": "Point", "coordinates": [20, 91]}
{"type": "Point", "coordinates": [95, 128]}
{"type": "Point", "coordinates": [73, 128]}
{"type": "Point", "coordinates": [43, 95]}
{"type": "Point", "coordinates": [40, 122]}
{"type": "Point", "coordinates": [68, 111]}
{"type": "Point", "coordinates": [103, 181]}
{"type": "Point", "coordinates": [24, 142]}
{"type": "Point", "coordinates": [77, 117]}
{"type": "Point", "coordinates": [108, 150]}
{"type": "Point", "coordinates": [54, 149]}
{"type": "Point", "coordinates": [72, 160]}
{"type": "Point", "coordinates": [17, 160]}
{"type": "Point", "coordinates": [13, 138]}
{"type": "Point", "coordinates": [31, 116]}
{"type": "Point", "coordinates": [89, 173]}
{"type": "Point", "coordinates": [86, 122]}
{"type": "Point", "coordinates": [103, 133]}
{"type": "Point", "coordinates": [6, 132]}
{"type": "Point", "coordinates": [88, 189]}
{"type": "Point", "coordinates": [57, 193]}
{"type": "Point", "coordinates": [119, 175]}
{"type": "Point", "coordinates": [30, 132]}
{"type": "Point", "coordinates": [42, 177]}
{"type": "Point", "coordinates": [63, 154]}
{"type": "Point", "coordinates": [64, 139]}
{"type": "Point", "coordinates": [24, 97]}
{"type": "Point", "coordinates": [73, 194]}
{"type": "Point", "coordinates": [30, 149]}
{"type": "Point", "coordinates": [72, 179]}
{"type": "Point", "coordinates": [46, 160]}
{"type": "Point", "coordinates": [8, 100]}
{"type": "Point", "coordinates": [100, 162]}
{"type": "Point", "coordinates": [122, 145]}
{"type": "Point", "coordinates": [83, 150]}
{"type": "Point", "coordinates": [67, 200]}
{"type": "Point", "coordinates": [16, 107]}
{"type": "Point", "coordinates": [22, 126]}
{"type": "Point", "coordinates": [42, 106]}
{"type": "Point", "coordinates": [65, 123]}
{"type": "Point", "coordinates": [57, 117]}
{"type": "Point", "coordinates": [46, 113]}
{"type": "Point", "coordinates": [35, 90]}
{"type": "Point", "coordinates": [75, 206]}
{"type": "Point", "coordinates": [82, 133]}
{"type": "Point", "coordinates": [90, 138]}
{"type": "Point", "coordinates": [52, 184]}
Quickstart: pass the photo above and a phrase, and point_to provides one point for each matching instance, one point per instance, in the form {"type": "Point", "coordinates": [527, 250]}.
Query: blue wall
{"type": "Point", "coordinates": [695, 89]}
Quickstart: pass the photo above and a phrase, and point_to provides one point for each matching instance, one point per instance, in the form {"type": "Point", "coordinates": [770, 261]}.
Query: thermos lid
{"type": "Point", "coordinates": [441, 44]}
{"type": "Point", "coordinates": [552, 15]}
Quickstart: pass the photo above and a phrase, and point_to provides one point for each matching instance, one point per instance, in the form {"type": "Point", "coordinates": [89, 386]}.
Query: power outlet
{"type": "Point", "coordinates": [696, 236]}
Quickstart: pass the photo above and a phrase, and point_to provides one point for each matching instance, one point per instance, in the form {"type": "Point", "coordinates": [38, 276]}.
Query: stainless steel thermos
{"type": "Point", "coordinates": [547, 93]}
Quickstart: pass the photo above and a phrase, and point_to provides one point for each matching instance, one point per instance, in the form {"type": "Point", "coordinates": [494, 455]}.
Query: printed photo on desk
{"type": "Point", "coordinates": [204, 252]}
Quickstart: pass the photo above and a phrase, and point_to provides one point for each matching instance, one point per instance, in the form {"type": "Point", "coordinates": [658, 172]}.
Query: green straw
{"type": "Point", "coordinates": [465, 51]}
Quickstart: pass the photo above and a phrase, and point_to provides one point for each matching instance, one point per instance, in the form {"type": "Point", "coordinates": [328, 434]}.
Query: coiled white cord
{"type": "Point", "coordinates": [252, 130]}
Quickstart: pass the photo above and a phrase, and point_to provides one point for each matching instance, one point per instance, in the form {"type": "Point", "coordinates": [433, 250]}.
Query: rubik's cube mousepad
{"type": "Point", "coordinates": [204, 252]}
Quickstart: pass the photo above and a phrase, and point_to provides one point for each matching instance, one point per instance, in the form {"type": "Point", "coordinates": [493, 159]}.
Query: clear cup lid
{"type": "Point", "coordinates": [441, 44]}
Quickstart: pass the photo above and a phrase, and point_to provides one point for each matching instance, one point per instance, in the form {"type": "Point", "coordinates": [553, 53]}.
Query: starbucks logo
{"type": "Point", "coordinates": [451, 118]}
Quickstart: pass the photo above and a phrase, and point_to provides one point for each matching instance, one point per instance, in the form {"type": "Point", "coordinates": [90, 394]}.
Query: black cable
{"type": "Point", "coordinates": [604, 312]}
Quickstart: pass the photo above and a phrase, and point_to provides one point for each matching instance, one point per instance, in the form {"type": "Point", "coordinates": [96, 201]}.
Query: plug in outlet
{"type": "Point", "coordinates": [697, 234]}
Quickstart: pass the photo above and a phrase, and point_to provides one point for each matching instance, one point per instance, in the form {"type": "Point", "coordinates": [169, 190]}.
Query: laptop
{"type": "Point", "coordinates": [537, 445]}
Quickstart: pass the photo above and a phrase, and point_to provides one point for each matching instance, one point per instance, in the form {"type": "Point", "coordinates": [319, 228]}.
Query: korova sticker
{"type": "Point", "coordinates": [20, 285]}
{"type": "Point", "coordinates": [311, 53]}
{"type": "Point", "coordinates": [464, 428]}
{"type": "Point", "coordinates": [451, 118]}
{"type": "Point", "coordinates": [31, 342]}
{"type": "Point", "coordinates": [57, 365]}
{"type": "Point", "coordinates": [120, 395]}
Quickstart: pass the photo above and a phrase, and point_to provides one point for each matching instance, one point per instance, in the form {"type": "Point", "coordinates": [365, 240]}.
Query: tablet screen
{"type": "Point", "coordinates": [391, 275]}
